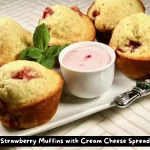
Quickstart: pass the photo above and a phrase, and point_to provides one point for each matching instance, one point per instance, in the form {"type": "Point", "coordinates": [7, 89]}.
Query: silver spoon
{"type": "Point", "coordinates": [141, 89]}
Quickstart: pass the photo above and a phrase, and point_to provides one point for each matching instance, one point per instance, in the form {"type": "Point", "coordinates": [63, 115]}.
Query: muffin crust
{"type": "Point", "coordinates": [130, 40]}
{"type": "Point", "coordinates": [24, 101]}
{"type": "Point", "coordinates": [106, 14]}
{"type": "Point", "coordinates": [68, 25]}
{"type": "Point", "coordinates": [13, 39]}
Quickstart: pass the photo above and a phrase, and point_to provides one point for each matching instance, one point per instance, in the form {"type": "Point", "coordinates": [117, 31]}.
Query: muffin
{"type": "Point", "coordinates": [13, 39]}
{"type": "Point", "coordinates": [67, 25]}
{"type": "Point", "coordinates": [106, 14]}
{"type": "Point", "coordinates": [29, 94]}
{"type": "Point", "coordinates": [131, 42]}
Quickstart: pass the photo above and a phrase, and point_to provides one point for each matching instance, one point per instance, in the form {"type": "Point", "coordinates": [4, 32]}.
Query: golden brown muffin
{"type": "Point", "coordinates": [67, 25]}
{"type": "Point", "coordinates": [29, 94]}
{"type": "Point", "coordinates": [131, 41]}
{"type": "Point", "coordinates": [106, 14]}
{"type": "Point", "coordinates": [13, 39]}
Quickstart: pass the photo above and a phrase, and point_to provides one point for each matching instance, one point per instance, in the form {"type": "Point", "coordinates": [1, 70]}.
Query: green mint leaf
{"type": "Point", "coordinates": [39, 59]}
{"type": "Point", "coordinates": [59, 50]}
{"type": "Point", "coordinates": [24, 55]}
{"type": "Point", "coordinates": [35, 53]}
{"type": "Point", "coordinates": [51, 51]}
{"type": "Point", "coordinates": [63, 46]}
{"type": "Point", "coordinates": [54, 51]}
{"type": "Point", "coordinates": [41, 37]}
{"type": "Point", "coordinates": [48, 63]}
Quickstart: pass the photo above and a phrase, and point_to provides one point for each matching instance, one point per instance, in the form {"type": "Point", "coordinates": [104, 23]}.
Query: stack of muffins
{"type": "Point", "coordinates": [125, 27]}
{"type": "Point", "coordinates": [106, 14]}
{"type": "Point", "coordinates": [29, 92]}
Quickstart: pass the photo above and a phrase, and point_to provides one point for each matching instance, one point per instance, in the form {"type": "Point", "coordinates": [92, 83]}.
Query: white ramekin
{"type": "Point", "coordinates": [88, 84]}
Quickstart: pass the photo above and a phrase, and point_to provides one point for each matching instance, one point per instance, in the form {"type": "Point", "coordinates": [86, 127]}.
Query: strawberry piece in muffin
{"type": "Point", "coordinates": [26, 73]}
{"type": "Point", "coordinates": [95, 13]}
{"type": "Point", "coordinates": [134, 45]}
{"type": "Point", "coordinates": [47, 11]}
{"type": "Point", "coordinates": [76, 9]}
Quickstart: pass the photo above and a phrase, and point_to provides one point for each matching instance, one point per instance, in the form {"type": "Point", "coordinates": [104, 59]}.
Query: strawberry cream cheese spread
{"type": "Point", "coordinates": [86, 59]}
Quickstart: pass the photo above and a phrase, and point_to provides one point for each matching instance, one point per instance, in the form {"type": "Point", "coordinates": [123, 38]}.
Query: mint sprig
{"type": "Point", "coordinates": [41, 37]}
{"type": "Point", "coordinates": [40, 52]}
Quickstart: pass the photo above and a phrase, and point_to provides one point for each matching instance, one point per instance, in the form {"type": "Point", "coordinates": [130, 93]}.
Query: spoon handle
{"type": "Point", "coordinates": [141, 89]}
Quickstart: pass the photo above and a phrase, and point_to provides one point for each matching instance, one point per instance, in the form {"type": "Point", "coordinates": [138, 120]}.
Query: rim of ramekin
{"type": "Point", "coordinates": [71, 47]}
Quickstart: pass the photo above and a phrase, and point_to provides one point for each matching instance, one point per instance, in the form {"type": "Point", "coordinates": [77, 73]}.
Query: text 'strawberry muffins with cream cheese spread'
{"type": "Point", "coordinates": [67, 25]}
{"type": "Point", "coordinates": [106, 14]}
{"type": "Point", "coordinates": [131, 42]}
{"type": "Point", "coordinates": [13, 39]}
{"type": "Point", "coordinates": [29, 94]}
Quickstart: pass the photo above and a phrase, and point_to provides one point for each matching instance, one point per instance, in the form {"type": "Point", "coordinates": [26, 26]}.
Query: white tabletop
{"type": "Point", "coordinates": [134, 120]}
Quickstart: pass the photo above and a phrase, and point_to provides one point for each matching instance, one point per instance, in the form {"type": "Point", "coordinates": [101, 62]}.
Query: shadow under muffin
{"type": "Point", "coordinates": [103, 37]}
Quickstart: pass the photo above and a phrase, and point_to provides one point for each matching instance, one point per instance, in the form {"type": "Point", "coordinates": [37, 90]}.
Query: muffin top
{"type": "Point", "coordinates": [131, 37]}
{"type": "Point", "coordinates": [25, 82]}
{"type": "Point", "coordinates": [108, 13]}
{"type": "Point", "coordinates": [67, 25]}
{"type": "Point", "coordinates": [13, 39]}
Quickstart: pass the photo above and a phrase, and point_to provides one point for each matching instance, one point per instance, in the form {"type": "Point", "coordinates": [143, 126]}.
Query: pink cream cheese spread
{"type": "Point", "coordinates": [86, 58]}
